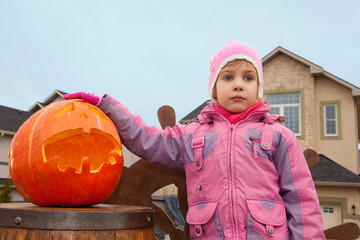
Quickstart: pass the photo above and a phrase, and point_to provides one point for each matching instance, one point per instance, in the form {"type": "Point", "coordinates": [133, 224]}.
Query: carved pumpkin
{"type": "Point", "coordinates": [68, 153]}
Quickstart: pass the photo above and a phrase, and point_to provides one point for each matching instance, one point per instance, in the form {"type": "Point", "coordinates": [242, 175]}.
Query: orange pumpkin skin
{"type": "Point", "coordinates": [69, 153]}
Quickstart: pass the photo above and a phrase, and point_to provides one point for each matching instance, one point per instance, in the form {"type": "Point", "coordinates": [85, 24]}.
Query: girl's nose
{"type": "Point", "coordinates": [238, 84]}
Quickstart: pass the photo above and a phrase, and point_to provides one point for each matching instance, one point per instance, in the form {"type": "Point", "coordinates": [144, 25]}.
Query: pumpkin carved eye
{"type": "Point", "coordinates": [68, 108]}
{"type": "Point", "coordinates": [98, 113]}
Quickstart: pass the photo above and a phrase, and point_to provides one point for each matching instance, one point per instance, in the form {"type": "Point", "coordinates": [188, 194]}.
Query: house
{"type": "Point", "coordinates": [324, 112]}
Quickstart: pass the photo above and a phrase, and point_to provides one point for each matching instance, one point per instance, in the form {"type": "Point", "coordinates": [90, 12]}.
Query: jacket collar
{"type": "Point", "coordinates": [208, 114]}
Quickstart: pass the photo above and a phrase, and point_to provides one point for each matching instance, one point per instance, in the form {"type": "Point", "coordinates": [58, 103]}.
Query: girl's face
{"type": "Point", "coordinates": [236, 88]}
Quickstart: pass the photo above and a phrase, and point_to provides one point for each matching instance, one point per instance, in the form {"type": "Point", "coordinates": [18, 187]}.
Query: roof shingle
{"type": "Point", "coordinates": [329, 171]}
{"type": "Point", "coordinates": [193, 114]}
{"type": "Point", "coordinates": [11, 118]}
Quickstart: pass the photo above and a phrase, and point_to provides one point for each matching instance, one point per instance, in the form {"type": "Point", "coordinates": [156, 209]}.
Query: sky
{"type": "Point", "coordinates": [152, 53]}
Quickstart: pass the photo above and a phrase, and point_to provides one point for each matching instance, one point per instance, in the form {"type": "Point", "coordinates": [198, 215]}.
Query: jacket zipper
{"type": "Point", "coordinates": [232, 179]}
{"type": "Point", "coordinates": [256, 140]}
{"type": "Point", "coordinates": [232, 212]}
{"type": "Point", "coordinates": [253, 140]}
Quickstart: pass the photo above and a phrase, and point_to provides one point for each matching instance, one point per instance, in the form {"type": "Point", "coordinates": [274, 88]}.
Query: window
{"type": "Point", "coordinates": [330, 112]}
{"type": "Point", "coordinates": [330, 120]}
{"type": "Point", "coordinates": [328, 210]}
{"type": "Point", "coordinates": [287, 105]}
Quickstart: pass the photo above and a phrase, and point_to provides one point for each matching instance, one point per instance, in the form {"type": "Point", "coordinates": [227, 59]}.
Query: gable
{"type": "Point", "coordinates": [284, 71]}
{"type": "Point", "coordinates": [11, 119]}
{"type": "Point", "coordinates": [53, 97]}
{"type": "Point", "coordinates": [314, 69]}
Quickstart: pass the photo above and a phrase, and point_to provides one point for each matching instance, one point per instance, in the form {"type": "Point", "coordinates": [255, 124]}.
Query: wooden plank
{"type": "Point", "coordinates": [125, 234]}
{"type": "Point", "coordinates": [136, 234]}
{"type": "Point", "coordinates": [12, 234]}
{"type": "Point", "coordinates": [2, 233]}
{"type": "Point", "coordinates": [61, 235]}
{"type": "Point", "coordinates": [106, 235]}
{"type": "Point", "coordinates": [83, 235]}
{"type": "Point", "coordinates": [37, 234]}
{"type": "Point", "coordinates": [148, 234]}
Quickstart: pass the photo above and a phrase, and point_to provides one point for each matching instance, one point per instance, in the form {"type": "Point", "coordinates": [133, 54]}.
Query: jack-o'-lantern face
{"type": "Point", "coordinates": [70, 153]}
{"type": "Point", "coordinates": [71, 147]}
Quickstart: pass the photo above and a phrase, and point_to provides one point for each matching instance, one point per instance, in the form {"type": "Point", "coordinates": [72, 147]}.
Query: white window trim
{"type": "Point", "coordinates": [336, 121]}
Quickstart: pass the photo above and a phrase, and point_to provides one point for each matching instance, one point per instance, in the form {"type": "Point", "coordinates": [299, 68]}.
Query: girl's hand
{"type": "Point", "coordinates": [89, 97]}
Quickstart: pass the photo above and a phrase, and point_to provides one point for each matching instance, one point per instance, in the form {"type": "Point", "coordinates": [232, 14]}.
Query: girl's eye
{"type": "Point", "coordinates": [227, 78]}
{"type": "Point", "coordinates": [248, 78]}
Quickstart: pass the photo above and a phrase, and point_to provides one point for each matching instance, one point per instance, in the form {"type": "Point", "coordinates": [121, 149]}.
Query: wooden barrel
{"type": "Point", "coordinates": [104, 221]}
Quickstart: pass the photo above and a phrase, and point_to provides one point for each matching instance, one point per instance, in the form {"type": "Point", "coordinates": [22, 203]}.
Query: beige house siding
{"type": "Point", "coordinates": [4, 148]}
{"type": "Point", "coordinates": [5, 140]}
{"type": "Point", "coordinates": [284, 74]}
{"type": "Point", "coordinates": [345, 196]}
{"type": "Point", "coordinates": [357, 107]}
{"type": "Point", "coordinates": [341, 149]}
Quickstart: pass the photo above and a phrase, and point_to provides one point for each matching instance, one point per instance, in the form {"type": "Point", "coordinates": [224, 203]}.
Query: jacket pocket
{"type": "Point", "coordinates": [204, 222]}
{"type": "Point", "coordinates": [196, 189]}
{"type": "Point", "coordinates": [259, 146]}
{"type": "Point", "coordinates": [266, 219]}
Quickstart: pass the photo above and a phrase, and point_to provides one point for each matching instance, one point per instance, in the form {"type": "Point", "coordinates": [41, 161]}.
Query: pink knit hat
{"type": "Point", "coordinates": [229, 52]}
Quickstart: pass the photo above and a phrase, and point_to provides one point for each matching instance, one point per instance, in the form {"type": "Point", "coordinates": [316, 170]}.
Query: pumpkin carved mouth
{"type": "Point", "coordinates": [81, 150]}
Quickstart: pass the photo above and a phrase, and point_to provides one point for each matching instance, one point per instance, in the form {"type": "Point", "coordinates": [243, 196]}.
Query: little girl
{"type": "Point", "coordinates": [246, 175]}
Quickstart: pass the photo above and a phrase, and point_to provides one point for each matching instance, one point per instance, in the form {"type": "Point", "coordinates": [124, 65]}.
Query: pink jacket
{"type": "Point", "coordinates": [244, 181]}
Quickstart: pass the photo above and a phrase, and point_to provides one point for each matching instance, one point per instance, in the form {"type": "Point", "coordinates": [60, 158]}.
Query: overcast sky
{"type": "Point", "coordinates": [152, 53]}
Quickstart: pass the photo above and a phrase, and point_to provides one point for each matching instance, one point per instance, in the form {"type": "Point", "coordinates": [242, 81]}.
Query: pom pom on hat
{"type": "Point", "coordinates": [231, 51]}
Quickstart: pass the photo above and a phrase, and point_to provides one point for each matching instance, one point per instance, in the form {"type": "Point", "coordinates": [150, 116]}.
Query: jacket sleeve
{"type": "Point", "coordinates": [151, 143]}
{"type": "Point", "coordinates": [297, 190]}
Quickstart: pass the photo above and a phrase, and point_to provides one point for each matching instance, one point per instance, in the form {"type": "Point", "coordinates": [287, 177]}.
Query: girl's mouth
{"type": "Point", "coordinates": [237, 98]}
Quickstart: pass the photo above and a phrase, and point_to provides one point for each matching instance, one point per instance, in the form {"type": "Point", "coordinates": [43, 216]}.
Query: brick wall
{"type": "Point", "coordinates": [283, 73]}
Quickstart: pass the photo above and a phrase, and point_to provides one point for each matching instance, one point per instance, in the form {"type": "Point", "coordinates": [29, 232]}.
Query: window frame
{"type": "Point", "coordinates": [327, 120]}
{"type": "Point", "coordinates": [282, 90]}
{"type": "Point", "coordinates": [328, 209]}
{"type": "Point", "coordinates": [324, 135]}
